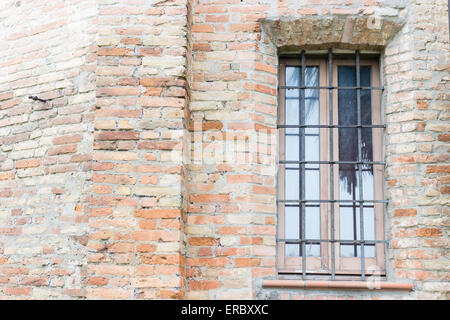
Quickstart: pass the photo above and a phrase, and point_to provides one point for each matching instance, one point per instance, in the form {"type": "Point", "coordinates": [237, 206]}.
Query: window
{"type": "Point", "coordinates": [330, 174]}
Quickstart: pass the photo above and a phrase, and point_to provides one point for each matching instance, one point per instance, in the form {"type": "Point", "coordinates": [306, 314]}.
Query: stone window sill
{"type": "Point", "coordinates": [338, 285]}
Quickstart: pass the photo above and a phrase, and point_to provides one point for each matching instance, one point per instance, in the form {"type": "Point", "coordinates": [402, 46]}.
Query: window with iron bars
{"type": "Point", "coordinates": [330, 168]}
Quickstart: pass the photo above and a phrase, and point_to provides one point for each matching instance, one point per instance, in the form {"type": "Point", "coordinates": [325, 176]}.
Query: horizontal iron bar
{"type": "Point", "coordinates": [330, 201]}
{"type": "Point", "coordinates": [295, 241]}
{"type": "Point", "coordinates": [299, 135]}
{"type": "Point", "coordinates": [330, 88]}
{"type": "Point", "coordinates": [332, 162]}
{"type": "Point", "coordinates": [306, 98]}
{"type": "Point", "coordinates": [353, 206]}
{"type": "Point", "coordinates": [306, 169]}
{"type": "Point", "coordinates": [288, 126]}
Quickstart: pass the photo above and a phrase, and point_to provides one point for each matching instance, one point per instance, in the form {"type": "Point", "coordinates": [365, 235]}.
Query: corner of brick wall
{"type": "Point", "coordinates": [137, 213]}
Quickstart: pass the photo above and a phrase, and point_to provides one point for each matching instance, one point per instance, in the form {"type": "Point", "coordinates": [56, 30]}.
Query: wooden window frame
{"type": "Point", "coordinates": [319, 267]}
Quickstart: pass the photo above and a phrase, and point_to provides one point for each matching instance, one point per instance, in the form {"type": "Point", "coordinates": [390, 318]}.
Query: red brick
{"type": "Point", "coordinates": [67, 139]}
{"type": "Point", "coordinates": [210, 198]}
{"type": "Point", "coordinates": [247, 262]}
{"type": "Point", "coordinates": [206, 126]}
{"type": "Point", "coordinates": [202, 28]}
{"type": "Point", "coordinates": [444, 137]}
{"type": "Point", "coordinates": [31, 163]}
{"type": "Point", "coordinates": [71, 148]}
{"type": "Point", "coordinates": [405, 212]}
{"type": "Point", "coordinates": [98, 281]}
{"type": "Point", "coordinates": [429, 232]}
{"type": "Point", "coordinates": [117, 135]}
{"type": "Point", "coordinates": [160, 145]}
{"type": "Point", "coordinates": [128, 91]}
{"type": "Point", "coordinates": [6, 96]}
{"type": "Point", "coordinates": [171, 259]}
{"type": "Point", "coordinates": [7, 175]}
{"type": "Point", "coordinates": [18, 291]}
{"type": "Point", "coordinates": [422, 105]}
{"type": "Point", "coordinates": [146, 248]}
{"type": "Point", "coordinates": [438, 169]}
{"type": "Point", "coordinates": [114, 52]}
{"type": "Point", "coordinates": [114, 179]}
{"type": "Point", "coordinates": [263, 190]}
{"type": "Point", "coordinates": [157, 213]}
{"type": "Point", "coordinates": [445, 189]}
{"type": "Point", "coordinates": [203, 241]}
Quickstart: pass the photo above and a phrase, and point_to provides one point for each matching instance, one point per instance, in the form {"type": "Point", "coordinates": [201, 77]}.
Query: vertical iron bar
{"type": "Point", "coordinates": [361, 205]}
{"type": "Point", "coordinates": [355, 231]}
{"type": "Point", "coordinates": [300, 227]}
{"type": "Point", "coordinates": [302, 170]}
{"type": "Point", "coordinates": [330, 93]}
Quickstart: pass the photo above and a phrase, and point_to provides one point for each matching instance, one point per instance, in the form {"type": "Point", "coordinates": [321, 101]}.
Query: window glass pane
{"type": "Point", "coordinates": [348, 137]}
{"type": "Point", "coordinates": [293, 97]}
{"type": "Point", "coordinates": [312, 150]}
{"type": "Point", "coordinates": [369, 251]}
{"type": "Point", "coordinates": [292, 185]}
{"type": "Point", "coordinates": [347, 216]}
{"type": "Point", "coordinates": [292, 223]}
{"type": "Point", "coordinates": [369, 232]}
{"type": "Point", "coordinates": [347, 251]}
{"type": "Point", "coordinates": [366, 117]}
{"type": "Point", "coordinates": [312, 115]}
{"type": "Point", "coordinates": [292, 230]}
{"type": "Point", "coordinates": [312, 230]}
{"type": "Point", "coordinates": [369, 224]}
{"type": "Point", "coordinates": [312, 100]}
{"type": "Point", "coordinates": [292, 148]}
{"type": "Point", "coordinates": [292, 115]}
{"type": "Point", "coordinates": [312, 80]}
{"type": "Point", "coordinates": [312, 185]}
{"type": "Point", "coordinates": [349, 226]}
{"type": "Point", "coordinates": [368, 184]}
{"type": "Point", "coordinates": [292, 250]}
{"type": "Point", "coordinates": [347, 182]}
{"type": "Point", "coordinates": [353, 193]}
{"type": "Point", "coordinates": [293, 78]}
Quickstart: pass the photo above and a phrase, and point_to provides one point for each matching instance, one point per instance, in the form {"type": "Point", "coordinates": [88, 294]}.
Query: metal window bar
{"type": "Point", "coordinates": [302, 202]}
{"type": "Point", "coordinates": [331, 157]}
{"type": "Point", "coordinates": [302, 166]}
{"type": "Point", "coordinates": [360, 186]}
{"type": "Point", "coordinates": [355, 228]}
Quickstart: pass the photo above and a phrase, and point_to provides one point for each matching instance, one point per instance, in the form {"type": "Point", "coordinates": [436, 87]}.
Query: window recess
{"type": "Point", "coordinates": [330, 168]}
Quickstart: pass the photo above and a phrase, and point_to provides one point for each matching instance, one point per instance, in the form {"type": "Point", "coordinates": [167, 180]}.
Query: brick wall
{"type": "Point", "coordinates": [122, 186]}
{"type": "Point", "coordinates": [47, 49]}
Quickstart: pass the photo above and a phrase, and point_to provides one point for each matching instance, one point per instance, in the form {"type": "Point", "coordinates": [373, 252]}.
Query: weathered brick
{"type": "Point", "coordinates": [117, 135]}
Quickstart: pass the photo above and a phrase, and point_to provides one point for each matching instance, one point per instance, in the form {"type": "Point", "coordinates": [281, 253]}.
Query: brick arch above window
{"type": "Point", "coordinates": [337, 31]}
